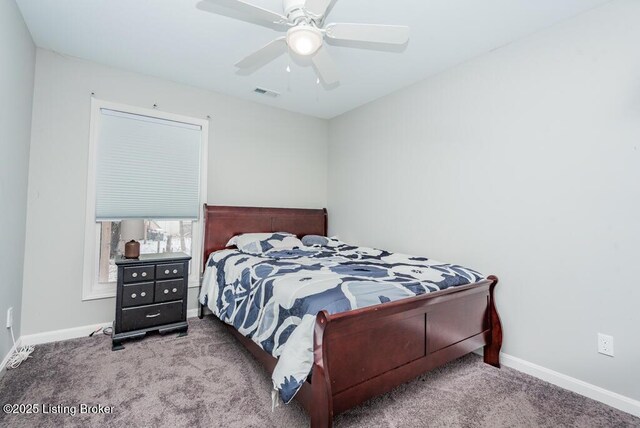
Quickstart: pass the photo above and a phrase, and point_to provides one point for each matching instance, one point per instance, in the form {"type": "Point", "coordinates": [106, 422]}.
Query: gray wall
{"type": "Point", "coordinates": [258, 155]}
{"type": "Point", "coordinates": [17, 56]}
{"type": "Point", "coordinates": [524, 163]}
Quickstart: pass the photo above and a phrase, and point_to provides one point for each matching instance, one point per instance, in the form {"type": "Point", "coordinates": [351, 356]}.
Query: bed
{"type": "Point", "coordinates": [359, 353]}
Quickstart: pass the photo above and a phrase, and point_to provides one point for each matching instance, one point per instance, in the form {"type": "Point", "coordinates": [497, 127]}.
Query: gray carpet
{"type": "Point", "coordinates": [207, 379]}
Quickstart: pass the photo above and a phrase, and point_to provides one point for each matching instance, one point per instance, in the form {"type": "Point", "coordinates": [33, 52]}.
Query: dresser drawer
{"type": "Point", "coordinates": [151, 315]}
{"type": "Point", "coordinates": [169, 270]}
{"type": "Point", "coordinates": [172, 289]}
{"type": "Point", "coordinates": [138, 273]}
{"type": "Point", "coordinates": [137, 294]}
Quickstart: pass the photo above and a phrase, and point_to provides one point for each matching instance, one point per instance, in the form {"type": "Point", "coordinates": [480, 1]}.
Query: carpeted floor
{"type": "Point", "coordinates": [207, 379]}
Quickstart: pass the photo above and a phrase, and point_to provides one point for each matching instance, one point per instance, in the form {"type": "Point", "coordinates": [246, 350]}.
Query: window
{"type": "Point", "coordinates": [158, 237]}
{"type": "Point", "coordinates": [146, 181]}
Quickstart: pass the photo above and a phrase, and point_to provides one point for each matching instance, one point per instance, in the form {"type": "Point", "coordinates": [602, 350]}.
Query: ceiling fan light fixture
{"type": "Point", "coordinates": [304, 40]}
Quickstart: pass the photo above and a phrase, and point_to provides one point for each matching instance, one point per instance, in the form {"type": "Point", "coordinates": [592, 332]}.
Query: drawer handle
{"type": "Point", "coordinates": [144, 274]}
{"type": "Point", "coordinates": [166, 291]}
{"type": "Point", "coordinates": [133, 296]}
{"type": "Point", "coordinates": [166, 272]}
{"type": "Point", "coordinates": [175, 271]}
{"type": "Point", "coordinates": [175, 290]}
{"type": "Point", "coordinates": [153, 315]}
{"type": "Point", "coordinates": [143, 294]}
{"type": "Point", "coordinates": [135, 274]}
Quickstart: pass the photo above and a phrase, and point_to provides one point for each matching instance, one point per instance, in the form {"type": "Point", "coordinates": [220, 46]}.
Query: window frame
{"type": "Point", "coordinates": [92, 289]}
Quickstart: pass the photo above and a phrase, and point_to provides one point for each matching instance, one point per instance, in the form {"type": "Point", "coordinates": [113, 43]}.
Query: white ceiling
{"type": "Point", "coordinates": [174, 40]}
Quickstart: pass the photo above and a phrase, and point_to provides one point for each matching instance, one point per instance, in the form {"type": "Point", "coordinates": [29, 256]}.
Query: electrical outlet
{"type": "Point", "coordinates": [605, 344]}
{"type": "Point", "coordinates": [9, 317]}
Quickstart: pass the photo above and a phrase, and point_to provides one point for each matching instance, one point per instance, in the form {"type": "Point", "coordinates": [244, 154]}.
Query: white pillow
{"type": "Point", "coordinates": [258, 243]}
{"type": "Point", "coordinates": [238, 240]}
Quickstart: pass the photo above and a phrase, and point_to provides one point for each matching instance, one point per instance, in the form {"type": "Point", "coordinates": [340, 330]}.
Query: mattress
{"type": "Point", "coordinates": [273, 298]}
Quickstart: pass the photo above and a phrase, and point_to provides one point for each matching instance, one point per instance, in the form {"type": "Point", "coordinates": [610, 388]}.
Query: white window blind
{"type": "Point", "coordinates": [146, 168]}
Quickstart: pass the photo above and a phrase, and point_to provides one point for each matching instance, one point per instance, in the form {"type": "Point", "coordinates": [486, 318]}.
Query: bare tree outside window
{"type": "Point", "coordinates": [159, 237]}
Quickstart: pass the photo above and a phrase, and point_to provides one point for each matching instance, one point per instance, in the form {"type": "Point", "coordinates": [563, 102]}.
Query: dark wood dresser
{"type": "Point", "coordinates": [151, 296]}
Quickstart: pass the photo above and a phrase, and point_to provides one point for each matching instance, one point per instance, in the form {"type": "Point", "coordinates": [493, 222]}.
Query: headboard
{"type": "Point", "coordinates": [221, 223]}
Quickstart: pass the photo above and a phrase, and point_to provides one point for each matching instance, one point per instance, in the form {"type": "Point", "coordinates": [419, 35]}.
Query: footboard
{"type": "Point", "coordinates": [363, 353]}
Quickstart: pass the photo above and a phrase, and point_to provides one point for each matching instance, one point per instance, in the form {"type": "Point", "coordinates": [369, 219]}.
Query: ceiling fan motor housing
{"type": "Point", "coordinates": [294, 10]}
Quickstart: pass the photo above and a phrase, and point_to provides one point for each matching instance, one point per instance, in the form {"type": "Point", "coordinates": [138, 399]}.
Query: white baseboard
{"type": "Point", "coordinates": [64, 334]}
{"type": "Point", "coordinates": [75, 332]}
{"type": "Point", "coordinates": [613, 399]}
{"type": "Point", "coordinates": [5, 360]}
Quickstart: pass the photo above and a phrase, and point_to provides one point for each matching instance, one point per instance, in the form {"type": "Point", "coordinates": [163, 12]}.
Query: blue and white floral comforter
{"type": "Point", "coordinates": [273, 298]}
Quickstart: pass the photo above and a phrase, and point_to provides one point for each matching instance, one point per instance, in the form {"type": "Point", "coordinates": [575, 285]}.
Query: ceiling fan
{"type": "Point", "coordinates": [303, 20]}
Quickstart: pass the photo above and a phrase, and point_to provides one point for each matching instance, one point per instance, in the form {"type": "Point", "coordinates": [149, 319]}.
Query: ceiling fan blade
{"type": "Point", "coordinates": [325, 67]}
{"type": "Point", "coordinates": [391, 34]}
{"type": "Point", "coordinates": [264, 55]}
{"type": "Point", "coordinates": [317, 8]}
{"type": "Point", "coordinates": [246, 9]}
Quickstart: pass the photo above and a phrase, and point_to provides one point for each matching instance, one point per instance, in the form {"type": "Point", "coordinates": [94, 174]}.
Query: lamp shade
{"type": "Point", "coordinates": [132, 229]}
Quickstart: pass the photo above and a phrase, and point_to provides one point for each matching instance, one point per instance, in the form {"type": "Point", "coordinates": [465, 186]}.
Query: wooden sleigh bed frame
{"type": "Point", "coordinates": [366, 352]}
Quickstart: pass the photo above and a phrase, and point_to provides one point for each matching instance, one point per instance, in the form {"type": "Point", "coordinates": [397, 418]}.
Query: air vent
{"type": "Point", "coordinates": [267, 92]}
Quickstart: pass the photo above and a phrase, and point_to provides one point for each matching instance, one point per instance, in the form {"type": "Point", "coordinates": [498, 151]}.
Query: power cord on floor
{"type": "Point", "coordinates": [20, 355]}
{"type": "Point", "coordinates": [105, 330]}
